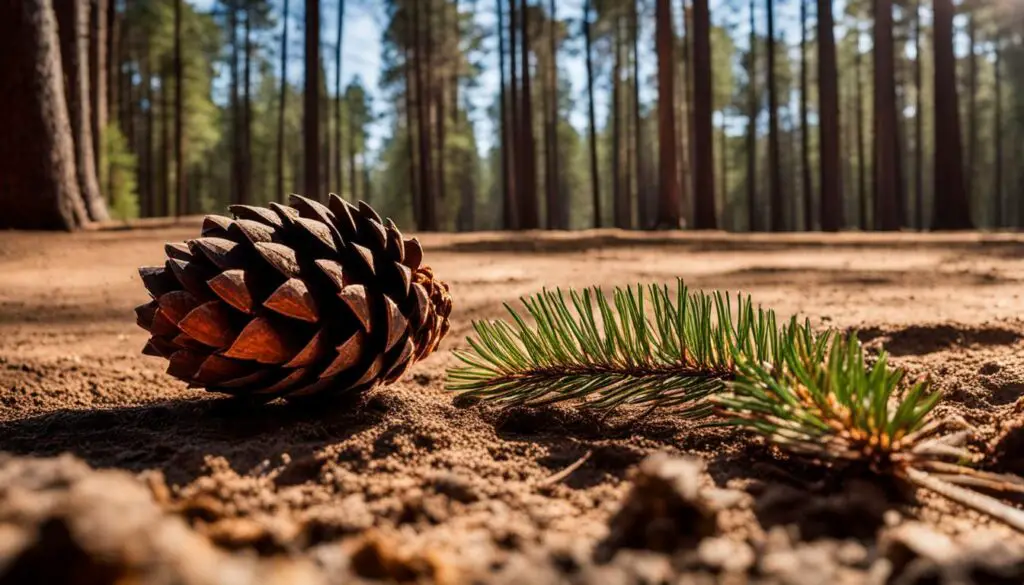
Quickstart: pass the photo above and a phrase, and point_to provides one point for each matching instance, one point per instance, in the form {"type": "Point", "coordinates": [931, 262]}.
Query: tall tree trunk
{"type": "Point", "coordinates": [311, 101]}
{"type": "Point", "coordinates": [236, 139]}
{"type": "Point", "coordinates": [556, 204]}
{"type": "Point", "coordinates": [38, 184]}
{"type": "Point", "coordinates": [338, 179]}
{"type": "Point", "coordinates": [528, 194]}
{"type": "Point", "coordinates": [98, 77]}
{"type": "Point", "coordinates": [113, 59]}
{"type": "Point", "coordinates": [438, 68]}
{"type": "Point", "coordinates": [508, 209]}
{"type": "Point", "coordinates": [805, 146]}
{"type": "Point", "coordinates": [669, 204]}
{"type": "Point", "coordinates": [918, 122]}
{"type": "Point", "coordinates": [704, 154]}
{"type": "Point", "coordinates": [148, 176]}
{"type": "Point", "coordinates": [685, 116]}
{"type": "Point", "coordinates": [179, 126]}
{"type": "Point", "coordinates": [778, 199]}
{"type": "Point", "coordinates": [595, 179]}
{"type": "Point", "coordinates": [414, 192]}
{"type": "Point", "coordinates": [643, 222]}
{"type": "Point", "coordinates": [353, 129]}
{"type": "Point", "coordinates": [427, 212]}
{"type": "Point", "coordinates": [282, 102]}
{"type": "Point", "coordinates": [166, 146]}
{"type": "Point", "coordinates": [972, 106]}
{"type": "Point", "coordinates": [516, 138]}
{"type": "Point", "coordinates": [73, 29]}
{"type": "Point", "coordinates": [952, 210]}
{"type": "Point", "coordinates": [246, 183]}
{"type": "Point", "coordinates": [887, 188]}
{"type": "Point", "coordinates": [618, 197]}
{"type": "Point", "coordinates": [754, 106]}
{"type": "Point", "coordinates": [862, 195]}
{"type": "Point", "coordinates": [998, 210]}
{"type": "Point", "coordinates": [828, 136]}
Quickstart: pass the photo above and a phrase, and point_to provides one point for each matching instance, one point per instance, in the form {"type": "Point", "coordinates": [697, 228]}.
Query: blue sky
{"type": "Point", "coordinates": [361, 52]}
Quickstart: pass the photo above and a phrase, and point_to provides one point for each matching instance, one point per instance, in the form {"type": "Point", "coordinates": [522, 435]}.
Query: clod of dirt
{"type": "Point", "coordinates": [62, 522]}
{"type": "Point", "coordinates": [918, 555]}
{"type": "Point", "coordinates": [666, 509]}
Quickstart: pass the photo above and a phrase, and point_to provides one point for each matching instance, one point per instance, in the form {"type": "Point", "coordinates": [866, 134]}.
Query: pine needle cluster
{"type": "Point", "coordinates": [810, 394]}
{"type": "Point", "coordinates": [645, 346]}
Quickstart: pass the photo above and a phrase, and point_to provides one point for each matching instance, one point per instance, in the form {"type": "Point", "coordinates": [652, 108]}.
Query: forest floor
{"type": "Point", "coordinates": [410, 484]}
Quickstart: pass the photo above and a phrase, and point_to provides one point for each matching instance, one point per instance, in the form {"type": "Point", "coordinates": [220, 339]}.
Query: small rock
{"type": "Point", "coordinates": [726, 555]}
{"type": "Point", "coordinates": [665, 510]}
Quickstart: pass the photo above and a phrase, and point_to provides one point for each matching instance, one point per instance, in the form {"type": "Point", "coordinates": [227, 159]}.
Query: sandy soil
{"type": "Point", "coordinates": [409, 484]}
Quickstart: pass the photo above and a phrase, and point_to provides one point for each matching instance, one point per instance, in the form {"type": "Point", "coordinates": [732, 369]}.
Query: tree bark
{"type": "Point", "coordinates": [805, 146]}
{"type": "Point", "coordinates": [179, 126]}
{"type": "Point", "coordinates": [952, 211]}
{"type": "Point", "coordinates": [972, 105]}
{"type": "Point", "coordinates": [704, 154]}
{"type": "Point", "coordinates": [595, 179]}
{"type": "Point", "coordinates": [516, 138]}
{"type": "Point", "coordinates": [165, 140]}
{"type": "Point", "coordinates": [38, 183]}
{"type": "Point", "coordinates": [862, 195]}
{"type": "Point", "coordinates": [236, 139]}
{"type": "Point", "coordinates": [778, 210]}
{"type": "Point", "coordinates": [618, 197]}
{"type": "Point", "coordinates": [282, 102]}
{"type": "Point", "coordinates": [311, 101]}
{"type": "Point", "coordinates": [98, 78]}
{"type": "Point", "coordinates": [73, 29]}
{"type": "Point", "coordinates": [998, 210]}
{"type": "Point", "coordinates": [338, 179]}
{"type": "Point", "coordinates": [668, 216]}
{"type": "Point", "coordinates": [113, 60]}
{"type": "Point", "coordinates": [828, 136]}
{"type": "Point", "coordinates": [410, 140]}
{"type": "Point", "coordinates": [428, 214]}
{"type": "Point", "coordinates": [556, 213]}
{"type": "Point", "coordinates": [642, 207]}
{"type": "Point", "coordinates": [887, 188]}
{"type": "Point", "coordinates": [528, 195]}
{"type": "Point", "coordinates": [246, 182]}
{"type": "Point", "coordinates": [754, 108]}
{"type": "Point", "coordinates": [685, 117]}
{"type": "Point", "coordinates": [918, 123]}
{"type": "Point", "coordinates": [508, 208]}
{"type": "Point", "coordinates": [352, 175]}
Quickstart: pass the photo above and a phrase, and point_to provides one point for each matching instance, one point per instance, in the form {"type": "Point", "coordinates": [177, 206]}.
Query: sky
{"type": "Point", "coordinates": [362, 45]}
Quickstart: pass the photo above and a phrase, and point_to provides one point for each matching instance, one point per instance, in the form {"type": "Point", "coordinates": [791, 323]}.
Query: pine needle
{"type": "Point", "coordinates": [640, 346]}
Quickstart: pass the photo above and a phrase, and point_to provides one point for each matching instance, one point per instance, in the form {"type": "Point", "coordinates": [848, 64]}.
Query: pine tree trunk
{"type": "Point", "coordinates": [754, 107]}
{"type": "Point", "coordinates": [282, 103]}
{"type": "Point", "coordinates": [668, 216]}
{"type": "Point", "coordinates": [972, 106]}
{"type": "Point", "coordinates": [179, 126]}
{"type": "Point", "coordinates": [778, 211]}
{"type": "Point", "coordinates": [952, 210]}
{"type": "Point", "coordinates": [643, 222]}
{"type": "Point", "coordinates": [557, 207]}
{"type": "Point", "coordinates": [918, 122]}
{"type": "Point", "coordinates": [148, 176]}
{"type": "Point", "coordinates": [595, 178]}
{"type": "Point", "coordinates": [73, 29]}
{"type": "Point", "coordinates": [887, 187]}
{"type": "Point", "coordinates": [704, 159]}
{"type": "Point", "coordinates": [516, 138]}
{"type": "Point", "coordinates": [165, 141]}
{"type": "Point", "coordinates": [38, 183]}
{"type": "Point", "coordinates": [828, 136]}
{"type": "Point", "coordinates": [338, 180]}
{"type": "Point", "coordinates": [616, 113]}
{"type": "Point", "coordinates": [246, 182]}
{"type": "Point", "coordinates": [410, 139]}
{"type": "Point", "coordinates": [428, 214]}
{"type": "Point", "coordinates": [352, 175]}
{"type": "Point", "coordinates": [113, 60]}
{"type": "Point", "coordinates": [98, 77]}
{"type": "Point", "coordinates": [508, 209]}
{"type": "Point", "coordinates": [998, 210]}
{"type": "Point", "coordinates": [438, 68]}
{"type": "Point", "coordinates": [528, 194]}
{"type": "Point", "coordinates": [862, 195]}
{"type": "Point", "coordinates": [311, 102]}
{"type": "Point", "coordinates": [805, 146]}
{"type": "Point", "coordinates": [685, 117]}
{"type": "Point", "coordinates": [236, 142]}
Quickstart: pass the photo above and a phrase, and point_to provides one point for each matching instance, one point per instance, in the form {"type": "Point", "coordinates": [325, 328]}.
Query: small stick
{"type": "Point", "coordinates": [982, 503]}
{"type": "Point", "coordinates": [557, 477]}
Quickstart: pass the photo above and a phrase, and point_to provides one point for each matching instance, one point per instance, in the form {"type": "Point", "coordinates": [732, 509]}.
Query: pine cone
{"type": "Point", "coordinates": [293, 301]}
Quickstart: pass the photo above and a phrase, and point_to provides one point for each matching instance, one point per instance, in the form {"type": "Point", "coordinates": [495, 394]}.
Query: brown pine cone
{"type": "Point", "coordinates": [293, 301]}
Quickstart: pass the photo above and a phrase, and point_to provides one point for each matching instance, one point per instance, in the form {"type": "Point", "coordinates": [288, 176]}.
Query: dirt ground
{"type": "Point", "coordinates": [408, 484]}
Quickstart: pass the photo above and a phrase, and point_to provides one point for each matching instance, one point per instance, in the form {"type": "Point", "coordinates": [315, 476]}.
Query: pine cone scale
{"type": "Point", "coordinates": [293, 301]}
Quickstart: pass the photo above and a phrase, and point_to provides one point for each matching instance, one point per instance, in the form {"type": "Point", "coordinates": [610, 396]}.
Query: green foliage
{"type": "Point", "coordinates": [118, 175]}
{"type": "Point", "coordinates": [646, 345]}
{"type": "Point", "coordinates": [820, 399]}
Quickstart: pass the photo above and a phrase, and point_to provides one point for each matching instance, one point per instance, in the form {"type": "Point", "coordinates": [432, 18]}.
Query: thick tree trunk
{"type": "Point", "coordinates": [704, 154]}
{"type": "Point", "coordinates": [642, 220]}
{"type": "Point", "coordinates": [338, 179]}
{"type": "Point", "coordinates": [685, 117]}
{"type": "Point", "coordinates": [828, 96]}
{"type": "Point", "coordinates": [618, 197]}
{"type": "Point", "coordinates": [113, 60]}
{"type": "Point", "coordinates": [595, 178]}
{"type": "Point", "coordinates": [754, 107]}
{"type": "Point", "coordinates": [528, 195]}
{"type": "Point", "coordinates": [776, 196]}
{"type": "Point", "coordinates": [972, 106]}
{"type": "Point", "coordinates": [311, 102]}
{"type": "Point", "coordinates": [516, 137]}
{"type": "Point", "coordinates": [73, 29]}
{"type": "Point", "coordinates": [508, 208]}
{"type": "Point", "coordinates": [918, 123]}
{"type": "Point", "coordinates": [428, 214]}
{"type": "Point", "coordinates": [556, 210]}
{"type": "Point", "coordinates": [952, 210]}
{"type": "Point", "coordinates": [179, 118]}
{"type": "Point", "coordinates": [38, 184]}
{"type": "Point", "coordinates": [887, 188]}
{"type": "Point", "coordinates": [436, 80]}
{"type": "Point", "coordinates": [862, 195]}
{"type": "Point", "coordinates": [410, 139]}
{"type": "Point", "coordinates": [98, 77]}
{"type": "Point", "coordinates": [805, 146]}
{"type": "Point", "coordinates": [998, 209]}
{"type": "Point", "coordinates": [148, 176]}
{"type": "Point", "coordinates": [282, 102]}
{"type": "Point", "coordinates": [668, 216]}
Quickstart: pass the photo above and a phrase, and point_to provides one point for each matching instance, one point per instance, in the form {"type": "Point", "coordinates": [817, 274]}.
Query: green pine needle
{"type": "Point", "coordinates": [643, 346]}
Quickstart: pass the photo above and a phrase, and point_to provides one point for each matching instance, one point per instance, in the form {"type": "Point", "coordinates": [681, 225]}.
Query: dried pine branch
{"type": "Point", "coordinates": [647, 345]}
